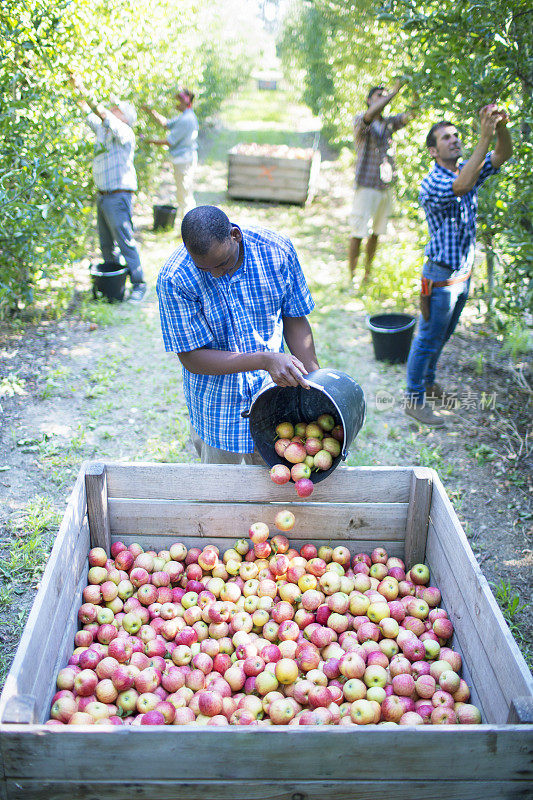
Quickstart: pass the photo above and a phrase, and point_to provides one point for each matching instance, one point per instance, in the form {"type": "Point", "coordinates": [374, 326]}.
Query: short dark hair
{"type": "Point", "coordinates": [374, 89]}
{"type": "Point", "coordinates": [431, 139]}
{"type": "Point", "coordinates": [202, 226]}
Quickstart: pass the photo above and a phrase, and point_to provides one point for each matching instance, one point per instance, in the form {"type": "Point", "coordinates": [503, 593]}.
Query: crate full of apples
{"type": "Point", "coordinates": [261, 634]}
{"type": "Point", "coordinates": [304, 448]}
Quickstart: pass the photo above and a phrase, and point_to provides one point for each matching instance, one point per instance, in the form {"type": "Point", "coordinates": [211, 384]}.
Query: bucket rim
{"type": "Point", "coordinates": [98, 274]}
{"type": "Point", "coordinates": [398, 329]}
{"type": "Point", "coordinates": [164, 206]}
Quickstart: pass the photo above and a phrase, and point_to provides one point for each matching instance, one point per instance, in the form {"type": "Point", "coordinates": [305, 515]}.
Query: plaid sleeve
{"type": "Point", "coordinates": [183, 323]}
{"type": "Point", "coordinates": [397, 121]}
{"type": "Point", "coordinates": [486, 170]}
{"type": "Point", "coordinates": [436, 190]}
{"type": "Point", "coordinates": [297, 301]}
{"type": "Point", "coordinates": [93, 121]}
{"type": "Point", "coordinates": [120, 130]}
{"type": "Point", "coordinates": [360, 128]}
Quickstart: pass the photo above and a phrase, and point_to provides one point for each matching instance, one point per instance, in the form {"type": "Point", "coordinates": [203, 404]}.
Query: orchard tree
{"type": "Point", "coordinates": [134, 50]}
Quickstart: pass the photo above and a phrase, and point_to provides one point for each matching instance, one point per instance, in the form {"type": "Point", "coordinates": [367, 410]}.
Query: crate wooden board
{"type": "Point", "coordinates": [257, 177]}
{"type": "Point", "coordinates": [407, 510]}
{"type": "Point", "coordinates": [269, 790]}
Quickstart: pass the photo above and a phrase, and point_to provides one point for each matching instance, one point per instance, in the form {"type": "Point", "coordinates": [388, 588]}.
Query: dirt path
{"type": "Point", "coordinates": [99, 385]}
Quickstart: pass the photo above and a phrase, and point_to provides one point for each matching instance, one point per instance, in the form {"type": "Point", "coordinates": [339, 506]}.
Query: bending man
{"type": "Point", "coordinates": [228, 299]}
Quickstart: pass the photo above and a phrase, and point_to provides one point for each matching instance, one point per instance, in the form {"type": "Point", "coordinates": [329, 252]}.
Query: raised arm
{"type": "Point", "coordinates": [490, 116]}
{"type": "Point", "coordinates": [159, 118]}
{"type": "Point", "coordinates": [83, 99]}
{"type": "Point", "coordinates": [504, 144]}
{"type": "Point", "coordinates": [377, 106]}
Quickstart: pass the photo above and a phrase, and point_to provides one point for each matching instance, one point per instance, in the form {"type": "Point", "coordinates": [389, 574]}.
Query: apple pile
{"type": "Point", "coordinates": [306, 447]}
{"type": "Point", "coordinates": [262, 635]}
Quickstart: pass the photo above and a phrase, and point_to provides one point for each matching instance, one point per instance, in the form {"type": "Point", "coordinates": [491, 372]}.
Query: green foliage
{"type": "Point", "coordinates": [462, 56]}
{"type": "Point", "coordinates": [457, 56]}
{"type": "Point", "coordinates": [512, 608]}
{"type": "Point", "coordinates": [138, 51]}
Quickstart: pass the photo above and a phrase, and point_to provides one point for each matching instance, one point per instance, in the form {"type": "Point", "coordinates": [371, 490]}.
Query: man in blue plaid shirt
{"type": "Point", "coordinates": [448, 196]}
{"type": "Point", "coordinates": [228, 299]}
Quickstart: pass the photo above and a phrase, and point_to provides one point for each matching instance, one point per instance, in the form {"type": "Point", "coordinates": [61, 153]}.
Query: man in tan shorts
{"type": "Point", "coordinates": [375, 172]}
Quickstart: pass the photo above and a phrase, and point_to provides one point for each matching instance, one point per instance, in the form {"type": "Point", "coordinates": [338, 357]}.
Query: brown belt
{"type": "Point", "coordinates": [427, 288]}
{"type": "Point", "coordinates": [450, 281]}
{"type": "Point", "coordinates": [115, 191]}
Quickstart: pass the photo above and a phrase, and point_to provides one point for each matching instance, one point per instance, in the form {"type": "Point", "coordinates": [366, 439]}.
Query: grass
{"type": "Point", "coordinates": [513, 609]}
{"type": "Point", "coordinates": [24, 548]}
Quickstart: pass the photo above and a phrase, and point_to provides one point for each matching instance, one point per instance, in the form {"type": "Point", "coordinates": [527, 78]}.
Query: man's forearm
{"type": "Point", "coordinates": [204, 361]}
{"type": "Point", "coordinates": [469, 174]}
{"type": "Point", "coordinates": [159, 118]}
{"type": "Point", "coordinates": [299, 338]}
{"type": "Point", "coordinates": [504, 146]}
{"type": "Point", "coordinates": [377, 107]}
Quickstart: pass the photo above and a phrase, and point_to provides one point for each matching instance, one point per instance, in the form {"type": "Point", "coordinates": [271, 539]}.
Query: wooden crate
{"type": "Point", "coordinates": [272, 178]}
{"type": "Point", "coordinates": [404, 509]}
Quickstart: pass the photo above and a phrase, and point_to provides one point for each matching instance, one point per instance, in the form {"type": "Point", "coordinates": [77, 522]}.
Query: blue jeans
{"type": "Point", "coordinates": [446, 305]}
{"type": "Point", "coordinates": [115, 229]}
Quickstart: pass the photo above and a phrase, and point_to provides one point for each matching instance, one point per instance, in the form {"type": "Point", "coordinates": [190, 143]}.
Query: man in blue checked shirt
{"type": "Point", "coordinates": [448, 196]}
{"type": "Point", "coordinates": [228, 299]}
{"type": "Point", "coordinates": [116, 180]}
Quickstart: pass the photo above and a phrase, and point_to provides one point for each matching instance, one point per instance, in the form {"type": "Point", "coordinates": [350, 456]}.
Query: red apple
{"type": "Point", "coordinates": [280, 474]}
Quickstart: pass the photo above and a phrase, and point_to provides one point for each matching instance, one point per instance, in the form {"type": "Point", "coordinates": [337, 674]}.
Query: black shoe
{"type": "Point", "coordinates": [138, 293]}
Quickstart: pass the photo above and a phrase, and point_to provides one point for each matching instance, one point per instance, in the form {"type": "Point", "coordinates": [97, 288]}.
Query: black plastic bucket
{"type": "Point", "coordinates": [164, 217]}
{"type": "Point", "coordinates": [109, 280]}
{"type": "Point", "coordinates": [391, 336]}
{"type": "Point", "coordinates": [332, 392]}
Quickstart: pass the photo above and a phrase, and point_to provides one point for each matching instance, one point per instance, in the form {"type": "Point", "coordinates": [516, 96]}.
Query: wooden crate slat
{"type": "Point", "coordinates": [204, 482]}
{"type": "Point", "coordinates": [60, 578]}
{"type": "Point", "coordinates": [270, 790]}
{"type": "Point", "coordinates": [493, 704]}
{"type": "Point", "coordinates": [473, 596]}
{"type": "Point", "coordinates": [242, 161]}
{"type": "Point", "coordinates": [418, 515]}
{"type": "Point", "coordinates": [344, 520]}
{"type": "Point", "coordinates": [476, 752]}
{"type": "Point", "coordinates": [161, 542]}
{"type": "Point", "coordinates": [267, 176]}
{"type": "Point", "coordinates": [265, 193]}
{"type": "Point", "coordinates": [97, 512]}
{"type": "Point", "coordinates": [47, 673]}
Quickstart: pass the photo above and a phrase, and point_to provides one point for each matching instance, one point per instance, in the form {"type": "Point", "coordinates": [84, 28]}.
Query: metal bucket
{"type": "Point", "coordinates": [332, 392]}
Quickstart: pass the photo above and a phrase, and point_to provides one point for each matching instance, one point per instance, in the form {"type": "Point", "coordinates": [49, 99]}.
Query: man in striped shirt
{"type": "Point", "coordinates": [228, 299]}
{"type": "Point", "coordinates": [448, 196]}
{"type": "Point", "coordinates": [116, 180]}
